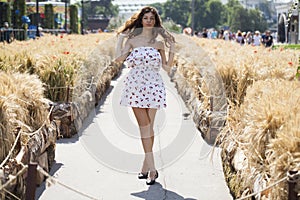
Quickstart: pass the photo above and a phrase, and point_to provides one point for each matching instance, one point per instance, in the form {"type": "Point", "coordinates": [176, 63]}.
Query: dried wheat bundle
{"type": "Point", "coordinates": [266, 128]}
{"type": "Point", "coordinates": [22, 105]}
{"type": "Point", "coordinates": [201, 86]}
{"type": "Point", "coordinates": [240, 65]}
{"type": "Point", "coordinates": [55, 59]}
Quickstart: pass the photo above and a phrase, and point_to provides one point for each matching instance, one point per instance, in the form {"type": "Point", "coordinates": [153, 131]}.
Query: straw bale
{"type": "Point", "coordinates": [22, 104]}
{"type": "Point", "coordinates": [244, 153]}
{"type": "Point", "coordinates": [95, 75]}
{"type": "Point", "coordinates": [200, 85]}
{"type": "Point", "coordinates": [240, 65]}
{"type": "Point", "coordinates": [267, 131]}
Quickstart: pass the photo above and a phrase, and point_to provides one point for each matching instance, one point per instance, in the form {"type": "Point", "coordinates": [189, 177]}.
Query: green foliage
{"type": "Point", "coordinates": [19, 10]}
{"type": "Point", "coordinates": [201, 14]}
{"type": "Point", "coordinates": [74, 19]}
{"type": "Point", "coordinates": [288, 46]}
{"type": "Point", "coordinates": [172, 26]}
{"type": "Point", "coordinates": [104, 8]}
{"type": "Point", "coordinates": [176, 10]}
{"type": "Point", "coordinates": [239, 18]}
{"type": "Point", "coordinates": [5, 13]}
{"type": "Point", "coordinates": [115, 23]}
{"type": "Point", "coordinates": [213, 14]}
{"type": "Point", "coordinates": [298, 70]}
{"type": "Point", "coordinates": [49, 16]}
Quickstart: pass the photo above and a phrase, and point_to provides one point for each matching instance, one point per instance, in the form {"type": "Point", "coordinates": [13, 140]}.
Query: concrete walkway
{"type": "Point", "coordinates": [105, 157]}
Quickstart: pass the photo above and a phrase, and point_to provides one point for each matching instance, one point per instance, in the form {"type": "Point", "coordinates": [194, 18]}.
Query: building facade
{"type": "Point", "coordinates": [128, 8]}
{"type": "Point", "coordinates": [288, 21]}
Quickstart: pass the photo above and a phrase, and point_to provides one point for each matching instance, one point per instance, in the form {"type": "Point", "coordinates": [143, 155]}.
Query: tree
{"type": "Point", "coordinates": [19, 10]}
{"type": "Point", "coordinates": [230, 9]}
{"type": "Point", "coordinates": [49, 16]}
{"type": "Point", "coordinates": [258, 20]}
{"type": "Point", "coordinates": [103, 8]}
{"type": "Point", "coordinates": [199, 14]}
{"type": "Point", "coordinates": [239, 18]}
{"type": "Point", "coordinates": [5, 13]}
{"type": "Point", "coordinates": [74, 19]}
{"type": "Point", "coordinates": [178, 11]}
{"type": "Point", "coordinates": [213, 14]}
{"type": "Point", "coordinates": [266, 8]}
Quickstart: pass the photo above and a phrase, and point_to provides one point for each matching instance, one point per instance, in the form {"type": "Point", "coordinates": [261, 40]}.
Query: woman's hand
{"type": "Point", "coordinates": [122, 52]}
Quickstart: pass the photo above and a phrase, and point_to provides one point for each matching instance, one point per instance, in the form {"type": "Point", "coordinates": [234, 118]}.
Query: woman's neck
{"type": "Point", "coordinates": [147, 33]}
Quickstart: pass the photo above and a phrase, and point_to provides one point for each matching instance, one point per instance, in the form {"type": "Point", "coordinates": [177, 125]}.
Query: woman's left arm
{"type": "Point", "coordinates": [167, 64]}
{"type": "Point", "coordinates": [171, 55]}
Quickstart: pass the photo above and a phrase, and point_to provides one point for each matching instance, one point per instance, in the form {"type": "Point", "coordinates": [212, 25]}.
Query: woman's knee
{"type": "Point", "coordinates": [141, 116]}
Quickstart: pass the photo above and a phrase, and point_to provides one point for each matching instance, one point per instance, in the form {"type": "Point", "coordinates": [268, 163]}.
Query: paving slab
{"type": "Point", "coordinates": [103, 160]}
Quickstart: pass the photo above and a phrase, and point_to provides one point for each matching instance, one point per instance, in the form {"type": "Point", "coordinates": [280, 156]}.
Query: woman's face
{"type": "Point", "coordinates": [148, 20]}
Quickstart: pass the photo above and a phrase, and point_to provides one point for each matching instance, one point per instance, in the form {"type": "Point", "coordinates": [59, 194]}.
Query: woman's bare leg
{"type": "Point", "coordinates": [151, 115]}
{"type": "Point", "coordinates": [145, 121]}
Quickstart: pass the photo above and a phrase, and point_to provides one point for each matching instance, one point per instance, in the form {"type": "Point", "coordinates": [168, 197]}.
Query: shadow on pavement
{"type": "Point", "coordinates": [39, 190]}
{"type": "Point", "coordinates": [156, 191]}
{"type": "Point", "coordinates": [73, 139]}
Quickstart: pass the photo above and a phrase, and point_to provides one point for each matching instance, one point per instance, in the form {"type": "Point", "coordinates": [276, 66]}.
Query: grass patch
{"type": "Point", "coordinates": [288, 46]}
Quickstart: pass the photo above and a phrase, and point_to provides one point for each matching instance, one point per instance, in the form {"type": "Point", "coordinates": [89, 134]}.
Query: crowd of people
{"type": "Point", "coordinates": [243, 38]}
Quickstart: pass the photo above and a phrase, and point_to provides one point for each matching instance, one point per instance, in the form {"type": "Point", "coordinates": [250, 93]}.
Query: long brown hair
{"type": "Point", "coordinates": [134, 26]}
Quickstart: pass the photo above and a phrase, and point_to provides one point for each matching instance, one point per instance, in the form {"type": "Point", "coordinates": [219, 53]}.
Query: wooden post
{"type": "Point", "coordinates": [68, 94]}
{"type": "Point", "coordinates": [31, 181]}
{"type": "Point", "coordinates": [292, 181]}
{"type": "Point", "coordinates": [211, 99]}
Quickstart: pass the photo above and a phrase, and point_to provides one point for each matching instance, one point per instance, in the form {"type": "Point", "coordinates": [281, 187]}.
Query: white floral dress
{"type": "Point", "coordinates": [144, 87]}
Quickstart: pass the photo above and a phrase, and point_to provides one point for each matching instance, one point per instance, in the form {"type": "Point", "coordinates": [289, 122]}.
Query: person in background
{"type": "Point", "coordinates": [226, 36]}
{"type": "Point", "coordinates": [268, 40]}
{"type": "Point", "coordinates": [204, 33]}
{"type": "Point", "coordinates": [256, 39]}
{"type": "Point", "coordinates": [214, 34]}
{"type": "Point", "coordinates": [249, 38]}
{"type": "Point", "coordinates": [240, 38]}
{"type": "Point", "coordinates": [221, 34]}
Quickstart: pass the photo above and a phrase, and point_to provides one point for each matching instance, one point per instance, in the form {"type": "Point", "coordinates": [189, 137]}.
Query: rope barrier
{"type": "Point", "coordinates": [266, 188]}
{"type": "Point", "coordinates": [48, 116]}
{"type": "Point", "coordinates": [11, 150]}
{"type": "Point", "coordinates": [40, 169]}
{"type": "Point", "coordinates": [62, 87]}
{"type": "Point", "coordinates": [11, 194]}
{"type": "Point", "coordinates": [12, 179]}
{"type": "Point", "coordinates": [18, 136]}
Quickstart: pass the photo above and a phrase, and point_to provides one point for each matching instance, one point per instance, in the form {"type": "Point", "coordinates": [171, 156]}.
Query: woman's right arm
{"type": "Point", "coordinates": [122, 52]}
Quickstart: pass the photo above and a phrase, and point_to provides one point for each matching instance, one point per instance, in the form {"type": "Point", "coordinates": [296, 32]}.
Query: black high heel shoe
{"type": "Point", "coordinates": [150, 181]}
{"type": "Point", "coordinates": [143, 175]}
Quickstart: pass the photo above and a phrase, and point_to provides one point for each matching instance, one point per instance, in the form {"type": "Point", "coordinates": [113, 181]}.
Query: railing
{"type": "Point", "coordinates": [8, 35]}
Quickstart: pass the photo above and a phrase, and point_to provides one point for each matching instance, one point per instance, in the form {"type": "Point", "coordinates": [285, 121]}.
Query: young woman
{"type": "Point", "coordinates": [144, 89]}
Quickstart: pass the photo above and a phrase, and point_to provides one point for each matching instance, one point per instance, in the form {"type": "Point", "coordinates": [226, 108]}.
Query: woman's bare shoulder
{"type": "Point", "coordinates": [160, 45]}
